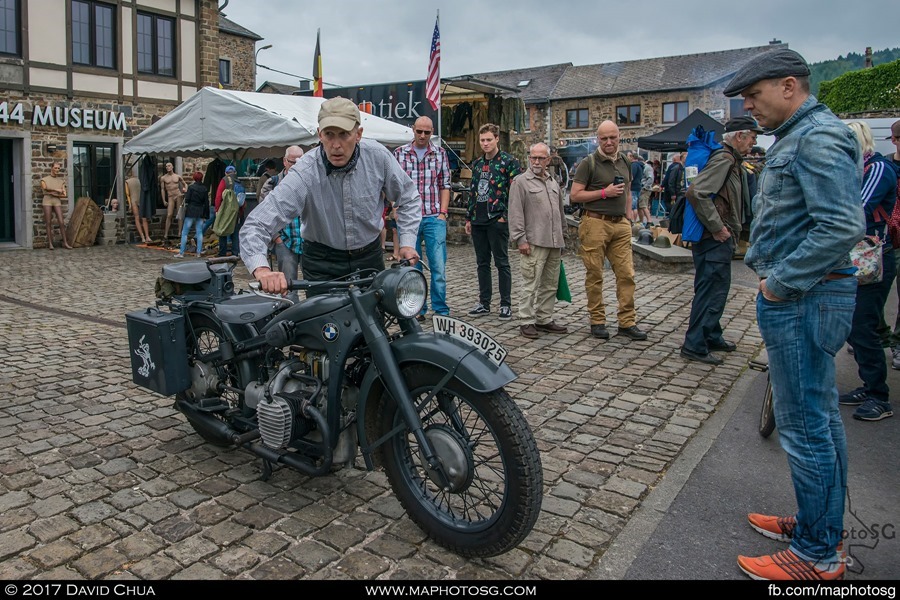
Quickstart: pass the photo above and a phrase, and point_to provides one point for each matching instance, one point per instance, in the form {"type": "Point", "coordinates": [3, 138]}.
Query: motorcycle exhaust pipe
{"type": "Point", "coordinates": [212, 427]}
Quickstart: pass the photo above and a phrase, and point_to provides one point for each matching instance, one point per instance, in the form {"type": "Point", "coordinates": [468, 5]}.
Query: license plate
{"type": "Point", "coordinates": [473, 336]}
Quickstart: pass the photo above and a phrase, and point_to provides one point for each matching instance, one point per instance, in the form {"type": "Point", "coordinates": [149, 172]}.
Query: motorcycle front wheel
{"type": "Point", "coordinates": [489, 453]}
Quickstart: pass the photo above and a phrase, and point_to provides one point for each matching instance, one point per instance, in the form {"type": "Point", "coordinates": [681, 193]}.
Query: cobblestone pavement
{"type": "Point", "coordinates": [100, 479]}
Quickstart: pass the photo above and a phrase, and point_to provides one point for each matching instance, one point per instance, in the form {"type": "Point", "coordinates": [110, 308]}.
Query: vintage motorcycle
{"type": "Point", "coordinates": [306, 384]}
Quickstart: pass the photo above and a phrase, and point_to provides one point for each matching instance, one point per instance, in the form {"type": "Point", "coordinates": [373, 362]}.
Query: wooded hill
{"type": "Point", "coordinates": [829, 69]}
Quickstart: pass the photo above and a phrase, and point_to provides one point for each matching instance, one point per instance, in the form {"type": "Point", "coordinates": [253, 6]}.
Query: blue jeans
{"type": "Point", "coordinates": [288, 261]}
{"type": "Point", "coordinates": [211, 219]}
{"type": "Point", "coordinates": [433, 234]}
{"type": "Point", "coordinates": [802, 337]}
{"type": "Point", "coordinates": [635, 195]}
{"type": "Point", "coordinates": [197, 224]}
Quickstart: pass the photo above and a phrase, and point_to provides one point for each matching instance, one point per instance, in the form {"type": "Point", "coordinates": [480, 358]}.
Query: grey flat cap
{"type": "Point", "coordinates": [771, 65]}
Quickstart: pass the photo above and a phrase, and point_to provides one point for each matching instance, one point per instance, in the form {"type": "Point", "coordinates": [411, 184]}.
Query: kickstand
{"type": "Point", "coordinates": [266, 470]}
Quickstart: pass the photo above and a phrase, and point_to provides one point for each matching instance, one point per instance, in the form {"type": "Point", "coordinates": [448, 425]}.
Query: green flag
{"type": "Point", "coordinates": [562, 289]}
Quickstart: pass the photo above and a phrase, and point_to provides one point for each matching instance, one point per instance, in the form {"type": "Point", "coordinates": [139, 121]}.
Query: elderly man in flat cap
{"type": "Point", "coordinates": [718, 195]}
{"type": "Point", "coordinates": [807, 217]}
{"type": "Point", "coordinates": [336, 191]}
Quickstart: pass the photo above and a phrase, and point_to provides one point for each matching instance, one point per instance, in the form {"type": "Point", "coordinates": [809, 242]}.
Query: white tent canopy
{"type": "Point", "coordinates": [226, 123]}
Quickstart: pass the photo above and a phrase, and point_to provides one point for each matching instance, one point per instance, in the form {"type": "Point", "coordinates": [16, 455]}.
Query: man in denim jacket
{"type": "Point", "coordinates": [807, 218]}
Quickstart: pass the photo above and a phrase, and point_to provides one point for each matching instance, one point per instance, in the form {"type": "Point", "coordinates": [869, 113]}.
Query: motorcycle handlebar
{"type": "Point", "coordinates": [223, 259]}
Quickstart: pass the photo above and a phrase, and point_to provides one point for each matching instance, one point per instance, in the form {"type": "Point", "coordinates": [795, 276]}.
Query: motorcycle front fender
{"type": "Point", "coordinates": [469, 365]}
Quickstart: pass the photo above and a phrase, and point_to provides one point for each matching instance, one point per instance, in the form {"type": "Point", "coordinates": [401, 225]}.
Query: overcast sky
{"type": "Point", "coordinates": [382, 41]}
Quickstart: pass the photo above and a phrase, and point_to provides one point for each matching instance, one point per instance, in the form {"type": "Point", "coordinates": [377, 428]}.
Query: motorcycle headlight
{"type": "Point", "coordinates": [404, 291]}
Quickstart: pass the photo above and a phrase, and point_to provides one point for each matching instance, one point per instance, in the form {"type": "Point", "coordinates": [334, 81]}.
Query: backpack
{"type": "Point", "coordinates": [676, 216]}
{"type": "Point", "coordinates": [227, 215]}
{"type": "Point", "coordinates": [701, 145]}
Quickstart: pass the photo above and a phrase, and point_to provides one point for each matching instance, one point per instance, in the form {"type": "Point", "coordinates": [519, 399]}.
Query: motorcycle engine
{"type": "Point", "coordinates": [279, 415]}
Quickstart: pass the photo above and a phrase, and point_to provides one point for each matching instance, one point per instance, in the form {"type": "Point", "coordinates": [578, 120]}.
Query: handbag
{"type": "Point", "coordinates": [867, 258]}
{"type": "Point", "coordinates": [562, 287]}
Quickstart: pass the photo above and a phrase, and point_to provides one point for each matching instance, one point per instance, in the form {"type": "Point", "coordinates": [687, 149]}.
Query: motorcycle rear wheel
{"type": "Point", "coordinates": [485, 442]}
{"type": "Point", "coordinates": [767, 413]}
{"type": "Point", "coordinates": [207, 335]}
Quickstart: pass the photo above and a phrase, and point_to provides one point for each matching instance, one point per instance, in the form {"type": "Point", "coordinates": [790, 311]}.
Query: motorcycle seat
{"type": "Point", "coordinates": [189, 272]}
{"type": "Point", "coordinates": [245, 308]}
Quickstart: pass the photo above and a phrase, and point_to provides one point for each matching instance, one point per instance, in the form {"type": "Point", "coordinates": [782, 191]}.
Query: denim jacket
{"type": "Point", "coordinates": [807, 213]}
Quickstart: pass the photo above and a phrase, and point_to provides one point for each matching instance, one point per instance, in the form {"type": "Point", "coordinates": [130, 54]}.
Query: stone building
{"type": "Point", "coordinates": [567, 103]}
{"type": "Point", "coordinates": [79, 82]}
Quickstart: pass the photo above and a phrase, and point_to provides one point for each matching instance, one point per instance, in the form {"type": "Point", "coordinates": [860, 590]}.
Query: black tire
{"type": "Point", "coordinates": [496, 507]}
{"type": "Point", "coordinates": [204, 338]}
{"type": "Point", "coordinates": [767, 414]}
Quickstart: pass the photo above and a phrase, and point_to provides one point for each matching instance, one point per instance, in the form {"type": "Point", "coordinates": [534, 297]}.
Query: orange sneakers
{"type": "Point", "coordinates": [787, 566]}
{"type": "Point", "coordinates": [777, 528]}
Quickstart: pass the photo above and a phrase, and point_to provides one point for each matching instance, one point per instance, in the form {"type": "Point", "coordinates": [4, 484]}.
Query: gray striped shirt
{"type": "Point", "coordinates": [341, 210]}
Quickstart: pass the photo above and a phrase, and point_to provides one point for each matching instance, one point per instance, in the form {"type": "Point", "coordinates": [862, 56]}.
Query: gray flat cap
{"type": "Point", "coordinates": [771, 65]}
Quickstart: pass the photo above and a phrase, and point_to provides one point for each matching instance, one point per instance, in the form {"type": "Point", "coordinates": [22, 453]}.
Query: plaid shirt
{"type": "Point", "coordinates": [431, 174]}
{"type": "Point", "coordinates": [290, 235]}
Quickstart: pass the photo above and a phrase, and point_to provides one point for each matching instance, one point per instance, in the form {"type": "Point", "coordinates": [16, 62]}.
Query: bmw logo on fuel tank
{"type": "Point", "coordinates": [330, 332]}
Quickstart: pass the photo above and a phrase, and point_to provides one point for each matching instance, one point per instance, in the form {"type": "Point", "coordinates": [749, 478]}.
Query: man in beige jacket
{"type": "Point", "coordinates": [536, 225]}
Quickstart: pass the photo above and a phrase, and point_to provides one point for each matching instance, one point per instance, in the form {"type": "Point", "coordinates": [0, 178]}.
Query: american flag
{"type": "Point", "coordinates": [433, 81]}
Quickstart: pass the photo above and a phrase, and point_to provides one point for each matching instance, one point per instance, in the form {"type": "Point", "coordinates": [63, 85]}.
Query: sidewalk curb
{"type": "Point", "coordinates": [617, 559]}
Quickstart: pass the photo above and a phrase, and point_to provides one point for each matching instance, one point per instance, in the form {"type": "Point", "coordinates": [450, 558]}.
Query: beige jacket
{"type": "Point", "coordinates": [536, 214]}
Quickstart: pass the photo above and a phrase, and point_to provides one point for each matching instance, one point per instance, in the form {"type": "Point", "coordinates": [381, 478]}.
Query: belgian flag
{"type": "Point", "coordinates": [317, 69]}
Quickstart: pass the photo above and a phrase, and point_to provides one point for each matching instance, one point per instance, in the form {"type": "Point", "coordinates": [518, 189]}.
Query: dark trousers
{"type": "Point", "coordinates": [492, 239]}
{"type": "Point", "coordinates": [867, 350]}
{"type": "Point", "coordinates": [712, 281]}
{"type": "Point", "coordinates": [324, 263]}
{"type": "Point", "coordinates": [234, 238]}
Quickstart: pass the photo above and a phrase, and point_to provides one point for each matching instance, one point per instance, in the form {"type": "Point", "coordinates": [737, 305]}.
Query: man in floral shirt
{"type": "Point", "coordinates": [486, 219]}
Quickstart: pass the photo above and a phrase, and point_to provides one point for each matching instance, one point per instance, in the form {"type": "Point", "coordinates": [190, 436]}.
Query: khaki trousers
{"type": "Point", "coordinates": [540, 278]}
{"type": "Point", "coordinates": [604, 239]}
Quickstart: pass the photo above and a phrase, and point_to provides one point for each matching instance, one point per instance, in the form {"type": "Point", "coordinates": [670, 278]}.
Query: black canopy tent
{"type": "Point", "coordinates": [674, 139]}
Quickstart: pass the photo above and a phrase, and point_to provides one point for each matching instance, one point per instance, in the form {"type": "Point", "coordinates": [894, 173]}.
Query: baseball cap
{"type": "Point", "coordinates": [230, 169]}
{"type": "Point", "coordinates": [743, 124]}
{"type": "Point", "coordinates": [771, 65]}
{"type": "Point", "coordinates": [895, 131]}
{"type": "Point", "coordinates": [338, 112]}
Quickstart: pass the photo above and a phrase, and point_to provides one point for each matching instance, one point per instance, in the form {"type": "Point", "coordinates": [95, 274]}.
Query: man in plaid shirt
{"type": "Point", "coordinates": [427, 165]}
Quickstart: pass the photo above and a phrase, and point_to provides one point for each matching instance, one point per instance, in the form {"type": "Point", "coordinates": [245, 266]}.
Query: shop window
{"type": "Point", "coordinates": [156, 44]}
{"type": "Point", "coordinates": [674, 112]}
{"type": "Point", "coordinates": [577, 118]}
{"type": "Point", "coordinates": [93, 34]}
{"type": "Point", "coordinates": [736, 108]}
{"type": "Point", "coordinates": [628, 115]}
{"type": "Point", "coordinates": [9, 27]}
{"type": "Point", "coordinates": [94, 170]}
{"type": "Point", "coordinates": [224, 71]}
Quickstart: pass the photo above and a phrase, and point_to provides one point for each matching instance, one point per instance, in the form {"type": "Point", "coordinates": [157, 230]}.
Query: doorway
{"type": "Point", "coordinates": [7, 195]}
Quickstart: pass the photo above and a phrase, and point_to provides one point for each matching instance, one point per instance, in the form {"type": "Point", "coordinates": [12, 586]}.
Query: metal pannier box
{"type": "Point", "coordinates": [156, 343]}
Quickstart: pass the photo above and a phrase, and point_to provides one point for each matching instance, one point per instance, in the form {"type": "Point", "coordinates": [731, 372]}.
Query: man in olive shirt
{"type": "Point", "coordinates": [601, 186]}
{"type": "Point", "coordinates": [718, 195]}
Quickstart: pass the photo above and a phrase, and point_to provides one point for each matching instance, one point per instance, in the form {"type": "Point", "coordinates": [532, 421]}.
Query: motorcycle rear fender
{"type": "Point", "coordinates": [472, 368]}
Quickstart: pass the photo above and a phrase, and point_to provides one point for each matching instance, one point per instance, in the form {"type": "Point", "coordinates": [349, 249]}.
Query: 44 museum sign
{"type": "Point", "coordinates": [62, 116]}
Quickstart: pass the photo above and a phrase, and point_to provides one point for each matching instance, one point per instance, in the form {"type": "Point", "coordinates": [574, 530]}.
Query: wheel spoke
{"type": "Point", "coordinates": [483, 497]}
